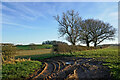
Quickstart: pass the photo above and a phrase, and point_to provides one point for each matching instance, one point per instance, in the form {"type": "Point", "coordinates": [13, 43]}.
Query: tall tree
{"type": "Point", "coordinates": [69, 26]}
{"type": "Point", "coordinates": [100, 31]}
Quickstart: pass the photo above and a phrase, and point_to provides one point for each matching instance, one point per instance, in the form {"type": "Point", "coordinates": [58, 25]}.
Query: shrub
{"type": "Point", "coordinates": [8, 51]}
{"type": "Point", "coordinates": [63, 48]}
{"type": "Point", "coordinates": [58, 48]}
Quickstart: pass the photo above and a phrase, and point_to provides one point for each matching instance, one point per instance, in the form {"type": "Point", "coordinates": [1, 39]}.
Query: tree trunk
{"type": "Point", "coordinates": [95, 44]}
{"type": "Point", "coordinates": [87, 43]}
{"type": "Point", "coordinates": [73, 43]}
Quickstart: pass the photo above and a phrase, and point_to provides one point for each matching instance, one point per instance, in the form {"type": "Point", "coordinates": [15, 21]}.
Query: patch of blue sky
{"type": "Point", "coordinates": [34, 21]}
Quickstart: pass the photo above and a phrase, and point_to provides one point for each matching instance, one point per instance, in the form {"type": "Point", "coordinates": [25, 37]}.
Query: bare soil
{"type": "Point", "coordinates": [73, 68]}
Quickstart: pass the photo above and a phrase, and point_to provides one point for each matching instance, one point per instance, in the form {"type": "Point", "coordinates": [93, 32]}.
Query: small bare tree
{"type": "Point", "coordinates": [69, 23]}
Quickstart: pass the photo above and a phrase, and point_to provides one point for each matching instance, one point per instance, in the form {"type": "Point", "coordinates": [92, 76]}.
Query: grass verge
{"type": "Point", "coordinates": [20, 70]}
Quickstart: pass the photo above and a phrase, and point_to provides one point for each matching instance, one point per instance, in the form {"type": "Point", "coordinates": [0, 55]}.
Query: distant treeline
{"type": "Point", "coordinates": [53, 42]}
{"type": "Point", "coordinates": [110, 45]}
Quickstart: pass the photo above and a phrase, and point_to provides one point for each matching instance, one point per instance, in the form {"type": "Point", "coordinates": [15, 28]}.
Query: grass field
{"type": "Point", "coordinates": [109, 55]}
{"type": "Point", "coordinates": [20, 70]}
{"type": "Point", "coordinates": [28, 47]}
{"type": "Point", "coordinates": [33, 52]}
{"type": "Point", "coordinates": [40, 56]}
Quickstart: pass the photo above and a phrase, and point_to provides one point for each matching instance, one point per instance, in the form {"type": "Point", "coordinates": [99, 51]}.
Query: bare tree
{"type": "Point", "coordinates": [85, 32]}
{"type": "Point", "coordinates": [69, 26]}
{"type": "Point", "coordinates": [100, 31]}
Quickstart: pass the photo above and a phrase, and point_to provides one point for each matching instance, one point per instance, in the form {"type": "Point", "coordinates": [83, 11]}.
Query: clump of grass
{"type": "Point", "coordinates": [13, 61]}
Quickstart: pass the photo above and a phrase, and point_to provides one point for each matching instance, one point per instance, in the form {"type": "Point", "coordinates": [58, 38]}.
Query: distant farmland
{"type": "Point", "coordinates": [33, 49]}
{"type": "Point", "coordinates": [30, 47]}
{"type": "Point", "coordinates": [32, 52]}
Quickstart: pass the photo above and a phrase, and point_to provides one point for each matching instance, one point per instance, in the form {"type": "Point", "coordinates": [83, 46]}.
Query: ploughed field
{"type": "Point", "coordinates": [72, 68]}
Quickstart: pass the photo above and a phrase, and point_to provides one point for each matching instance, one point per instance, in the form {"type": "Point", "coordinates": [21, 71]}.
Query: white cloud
{"type": "Point", "coordinates": [23, 12]}
{"type": "Point", "coordinates": [29, 11]}
{"type": "Point", "coordinates": [109, 15]}
{"type": "Point", "coordinates": [19, 25]}
{"type": "Point", "coordinates": [8, 9]}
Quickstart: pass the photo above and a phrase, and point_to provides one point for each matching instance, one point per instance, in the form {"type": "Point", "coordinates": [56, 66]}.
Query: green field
{"type": "Point", "coordinates": [40, 56]}
{"type": "Point", "coordinates": [20, 70]}
{"type": "Point", "coordinates": [109, 55]}
{"type": "Point", "coordinates": [28, 47]}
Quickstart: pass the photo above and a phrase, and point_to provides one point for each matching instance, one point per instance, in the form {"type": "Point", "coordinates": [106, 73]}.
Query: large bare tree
{"type": "Point", "coordinates": [69, 23]}
{"type": "Point", "coordinates": [100, 31]}
{"type": "Point", "coordinates": [85, 33]}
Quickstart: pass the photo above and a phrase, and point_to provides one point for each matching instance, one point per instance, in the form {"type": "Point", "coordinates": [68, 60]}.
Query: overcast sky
{"type": "Point", "coordinates": [33, 22]}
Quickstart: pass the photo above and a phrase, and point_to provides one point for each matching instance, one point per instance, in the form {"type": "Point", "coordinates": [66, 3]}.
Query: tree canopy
{"type": "Point", "coordinates": [85, 31]}
{"type": "Point", "coordinates": [69, 26]}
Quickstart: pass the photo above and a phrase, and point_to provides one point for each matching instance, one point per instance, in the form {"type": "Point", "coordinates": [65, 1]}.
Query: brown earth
{"type": "Point", "coordinates": [72, 68]}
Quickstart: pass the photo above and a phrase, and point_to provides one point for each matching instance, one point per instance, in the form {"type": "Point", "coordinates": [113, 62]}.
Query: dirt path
{"type": "Point", "coordinates": [73, 68]}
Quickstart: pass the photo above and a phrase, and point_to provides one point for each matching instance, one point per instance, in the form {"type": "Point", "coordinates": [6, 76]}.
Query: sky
{"type": "Point", "coordinates": [33, 22]}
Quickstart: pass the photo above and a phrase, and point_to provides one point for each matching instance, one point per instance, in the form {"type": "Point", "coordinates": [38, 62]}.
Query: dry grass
{"type": "Point", "coordinates": [32, 52]}
{"type": "Point", "coordinates": [13, 61]}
